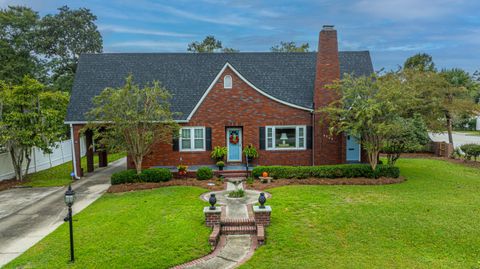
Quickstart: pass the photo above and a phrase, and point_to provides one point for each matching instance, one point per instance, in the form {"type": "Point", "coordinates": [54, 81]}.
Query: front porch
{"type": "Point", "coordinates": [194, 168]}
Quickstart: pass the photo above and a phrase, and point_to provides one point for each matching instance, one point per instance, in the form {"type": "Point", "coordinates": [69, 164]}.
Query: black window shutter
{"type": "Point", "coordinates": [262, 137]}
{"type": "Point", "coordinates": [175, 144]}
{"type": "Point", "coordinates": [208, 138]}
{"type": "Point", "coordinates": [309, 137]}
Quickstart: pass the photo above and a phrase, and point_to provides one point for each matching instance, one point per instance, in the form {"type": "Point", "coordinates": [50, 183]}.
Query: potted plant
{"type": "Point", "coordinates": [250, 152]}
{"type": "Point", "coordinates": [218, 153]}
{"type": "Point", "coordinates": [220, 165]}
{"type": "Point", "coordinates": [182, 169]}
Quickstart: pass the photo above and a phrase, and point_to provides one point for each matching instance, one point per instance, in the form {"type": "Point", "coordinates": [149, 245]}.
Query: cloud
{"type": "Point", "coordinates": [151, 44]}
{"type": "Point", "coordinates": [224, 19]}
{"type": "Point", "coordinates": [408, 9]}
{"type": "Point", "coordinates": [128, 30]}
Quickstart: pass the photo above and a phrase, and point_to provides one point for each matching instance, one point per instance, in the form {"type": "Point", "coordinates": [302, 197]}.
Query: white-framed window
{"type": "Point", "coordinates": [192, 139]}
{"type": "Point", "coordinates": [227, 82]}
{"type": "Point", "coordinates": [286, 137]}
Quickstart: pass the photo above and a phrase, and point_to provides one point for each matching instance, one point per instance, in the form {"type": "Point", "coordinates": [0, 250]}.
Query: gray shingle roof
{"type": "Point", "coordinates": [286, 76]}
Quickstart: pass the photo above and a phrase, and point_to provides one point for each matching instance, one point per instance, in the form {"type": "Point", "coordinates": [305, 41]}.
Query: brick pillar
{"type": "Point", "coordinates": [102, 157]}
{"type": "Point", "coordinates": [75, 132]}
{"type": "Point", "coordinates": [329, 149]}
{"type": "Point", "coordinates": [262, 215]}
{"type": "Point", "coordinates": [89, 145]}
{"type": "Point", "coordinates": [212, 216]}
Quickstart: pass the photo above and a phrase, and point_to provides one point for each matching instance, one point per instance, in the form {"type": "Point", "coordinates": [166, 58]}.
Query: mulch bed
{"type": "Point", "coordinates": [219, 185]}
{"type": "Point", "coordinates": [7, 184]}
{"type": "Point", "coordinates": [257, 185]}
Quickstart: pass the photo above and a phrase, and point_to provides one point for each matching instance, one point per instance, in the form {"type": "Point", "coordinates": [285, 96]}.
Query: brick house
{"type": "Point", "coordinates": [266, 99]}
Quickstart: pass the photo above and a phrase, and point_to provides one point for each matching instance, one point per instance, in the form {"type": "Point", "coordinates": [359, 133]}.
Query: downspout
{"type": "Point", "coordinates": [73, 152]}
{"type": "Point", "coordinates": [313, 135]}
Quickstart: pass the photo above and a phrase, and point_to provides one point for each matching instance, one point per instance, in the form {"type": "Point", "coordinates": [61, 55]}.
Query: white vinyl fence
{"type": "Point", "coordinates": [61, 153]}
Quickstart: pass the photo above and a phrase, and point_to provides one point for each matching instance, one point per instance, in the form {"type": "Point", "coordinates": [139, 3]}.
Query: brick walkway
{"type": "Point", "coordinates": [238, 240]}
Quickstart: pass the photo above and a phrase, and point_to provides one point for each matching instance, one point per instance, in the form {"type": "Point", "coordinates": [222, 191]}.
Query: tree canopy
{"type": "Point", "coordinates": [30, 116]}
{"type": "Point", "coordinates": [208, 45]}
{"type": "Point", "coordinates": [138, 117]}
{"type": "Point", "coordinates": [420, 62]}
{"type": "Point", "coordinates": [290, 47]}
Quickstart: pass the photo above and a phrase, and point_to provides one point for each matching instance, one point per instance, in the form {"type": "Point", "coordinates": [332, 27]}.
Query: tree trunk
{"type": "Point", "coordinates": [138, 164]}
{"type": "Point", "coordinates": [449, 127]}
{"type": "Point", "coordinates": [17, 161]}
{"type": "Point", "coordinates": [28, 154]}
{"type": "Point", "coordinates": [373, 159]}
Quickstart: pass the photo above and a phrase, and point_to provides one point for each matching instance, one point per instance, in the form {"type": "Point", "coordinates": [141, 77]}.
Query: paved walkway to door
{"type": "Point", "coordinates": [29, 214]}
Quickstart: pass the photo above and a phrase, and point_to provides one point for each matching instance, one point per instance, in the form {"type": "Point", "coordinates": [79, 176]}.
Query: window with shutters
{"type": "Point", "coordinates": [285, 137]}
{"type": "Point", "coordinates": [192, 139]}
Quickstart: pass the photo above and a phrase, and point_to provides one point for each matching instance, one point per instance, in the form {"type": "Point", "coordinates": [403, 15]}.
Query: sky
{"type": "Point", "coordinates": [392, 30]}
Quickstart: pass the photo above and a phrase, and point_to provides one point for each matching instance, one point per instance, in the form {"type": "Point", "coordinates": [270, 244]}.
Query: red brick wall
{"type": "Point", "coordinates": [329, 149]}
{"type": "Point", "coordinates": [241, 106]}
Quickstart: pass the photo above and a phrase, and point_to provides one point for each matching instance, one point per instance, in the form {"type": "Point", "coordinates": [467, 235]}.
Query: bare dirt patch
{"type": "Point", "coordinates": [257, 185]}
{"type": "Point", "coordinates": [206, 184]}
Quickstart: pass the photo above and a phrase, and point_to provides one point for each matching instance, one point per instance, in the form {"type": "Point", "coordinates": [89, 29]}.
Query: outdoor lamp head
{"type": "Point", "coordinates": [69, 196]}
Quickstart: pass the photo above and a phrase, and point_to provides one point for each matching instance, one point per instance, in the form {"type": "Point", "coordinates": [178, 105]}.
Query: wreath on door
{"type": "Point", "coordinates": [234, 138]}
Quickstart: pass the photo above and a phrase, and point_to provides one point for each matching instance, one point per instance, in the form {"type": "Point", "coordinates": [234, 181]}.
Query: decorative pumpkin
{"type": "Point", "coordinates": [264, 174]}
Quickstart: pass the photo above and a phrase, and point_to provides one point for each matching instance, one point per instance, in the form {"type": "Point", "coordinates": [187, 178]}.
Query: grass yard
{"type": "Point", "coordinates": [145, 229]}
{"type": "Point", "coordinates": [60, 175]}
{"type": "Point", "coordinates": [430, 221]}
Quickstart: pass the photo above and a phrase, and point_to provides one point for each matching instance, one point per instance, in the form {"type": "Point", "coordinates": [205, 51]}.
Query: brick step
{"type": "Point", "coordinates": [238, 222]}
{"type": "Point", "coordinates": [228, 230]}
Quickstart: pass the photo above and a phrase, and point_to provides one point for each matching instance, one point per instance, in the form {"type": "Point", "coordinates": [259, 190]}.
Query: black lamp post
{"type": "Point", "coordinates": [69, 200]}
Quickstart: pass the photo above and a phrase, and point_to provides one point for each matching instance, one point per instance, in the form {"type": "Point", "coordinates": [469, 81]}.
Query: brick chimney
{"type": "Point", "coordinates": [329, 149]}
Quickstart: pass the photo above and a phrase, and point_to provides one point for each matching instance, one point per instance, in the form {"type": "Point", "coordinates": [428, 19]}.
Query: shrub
{"type": "Point", "coordinates": [220, 164]}
{"type": "Point", "coordinates": [156, 175]}
{"type": "Point", "coordinates": [471, 150]}
{"type": "Point", "coordinates": [127, 176]}
{"type": "Point", "coordinates": [218, 153]}
{"type": "Point", "coordinates": [204, 173]}
{"type": "Point", "coordinates": [327, 171]}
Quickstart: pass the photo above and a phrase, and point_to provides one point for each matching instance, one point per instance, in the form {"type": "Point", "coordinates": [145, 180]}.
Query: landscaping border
{"type": "Point", "coordinates": [219, 185]}
{"type": "Point", "coordinates": [257, 185]}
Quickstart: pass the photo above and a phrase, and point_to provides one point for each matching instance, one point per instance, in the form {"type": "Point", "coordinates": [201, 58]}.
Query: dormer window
{"type": "Point", "coordinates": [227, 82]}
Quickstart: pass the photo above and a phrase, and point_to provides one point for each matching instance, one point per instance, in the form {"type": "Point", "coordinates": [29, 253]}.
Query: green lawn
{"type": "Point", "coordinates": [60, 175]}
{"type": "Point", "coordinates": [145, 229]}
{"type": "Point", "coordinates": [430, 221]}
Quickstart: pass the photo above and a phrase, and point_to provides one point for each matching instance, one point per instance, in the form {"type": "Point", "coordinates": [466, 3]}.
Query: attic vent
{"type": "Point", "coordinates": [227, 82]}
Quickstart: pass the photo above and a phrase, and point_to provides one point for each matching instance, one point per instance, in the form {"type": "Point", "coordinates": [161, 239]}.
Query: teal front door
{"type": "Point", "coordinates": [234, 144]}
{"type": "Point", "coordinates": [353, 149]}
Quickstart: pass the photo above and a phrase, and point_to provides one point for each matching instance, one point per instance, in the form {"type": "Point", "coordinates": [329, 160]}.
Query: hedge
{"type": "Point", "coordinates": [327, 171]}
{"type": "Point", "coordinates": [204, 173]}
{"type": "Point", "coordinates": [471, 150]}
{"type": "Point", "coordinates": [147, 175]}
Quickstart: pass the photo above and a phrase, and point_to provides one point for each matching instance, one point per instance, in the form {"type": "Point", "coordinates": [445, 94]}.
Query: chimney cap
{"type": "Point", "coordinates": [328, 28]}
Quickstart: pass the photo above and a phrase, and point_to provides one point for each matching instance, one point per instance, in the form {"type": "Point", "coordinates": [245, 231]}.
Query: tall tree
{"type": "Point", "coordinates": [17, 44]}
{"type": "Point", "coordinates": [290, 47]}
{"type": "Point", "coordinates": [30, 116]}
{"type": "Point", "coordinates": [62, 37]}
{"type": "Point", "coordinates": [420, 62]}
{"type": "Point", "coordinates": [209, 44]}
{"type": "Point", "coordinates": [138, 118]}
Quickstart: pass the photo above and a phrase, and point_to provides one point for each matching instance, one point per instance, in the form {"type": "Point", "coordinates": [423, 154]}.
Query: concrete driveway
{"type": "Point", "coordinates": [29, 214]}
{"type": "Point", "coordinates": [458, 138]}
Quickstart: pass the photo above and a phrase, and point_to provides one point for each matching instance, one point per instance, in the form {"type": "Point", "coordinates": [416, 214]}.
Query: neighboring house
{"type": "Point", "coordinates": [478, 124]}
{"type": "Point", "coordinates": [234, 99]}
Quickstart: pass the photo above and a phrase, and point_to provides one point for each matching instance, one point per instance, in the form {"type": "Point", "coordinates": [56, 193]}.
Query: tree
{"type": "Point", "coordinates": [404, 135]}
{"type": "Point", "coordinates": [361, 111]}
{"type": "Point", "coordinates": [30, 116]}
{"type": "Point", "coordinates": [290, 47]}
{"type": "Point", "coordinates": [137, 118]}
{"type": "Point", "coordinates": [420, 62]}
{"type": "Point", "coordinates": [17, 44]}
{"type": "Point", "coordinates": [63, 37]}
{"type": "Point", "coordinates": [209, 44]}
